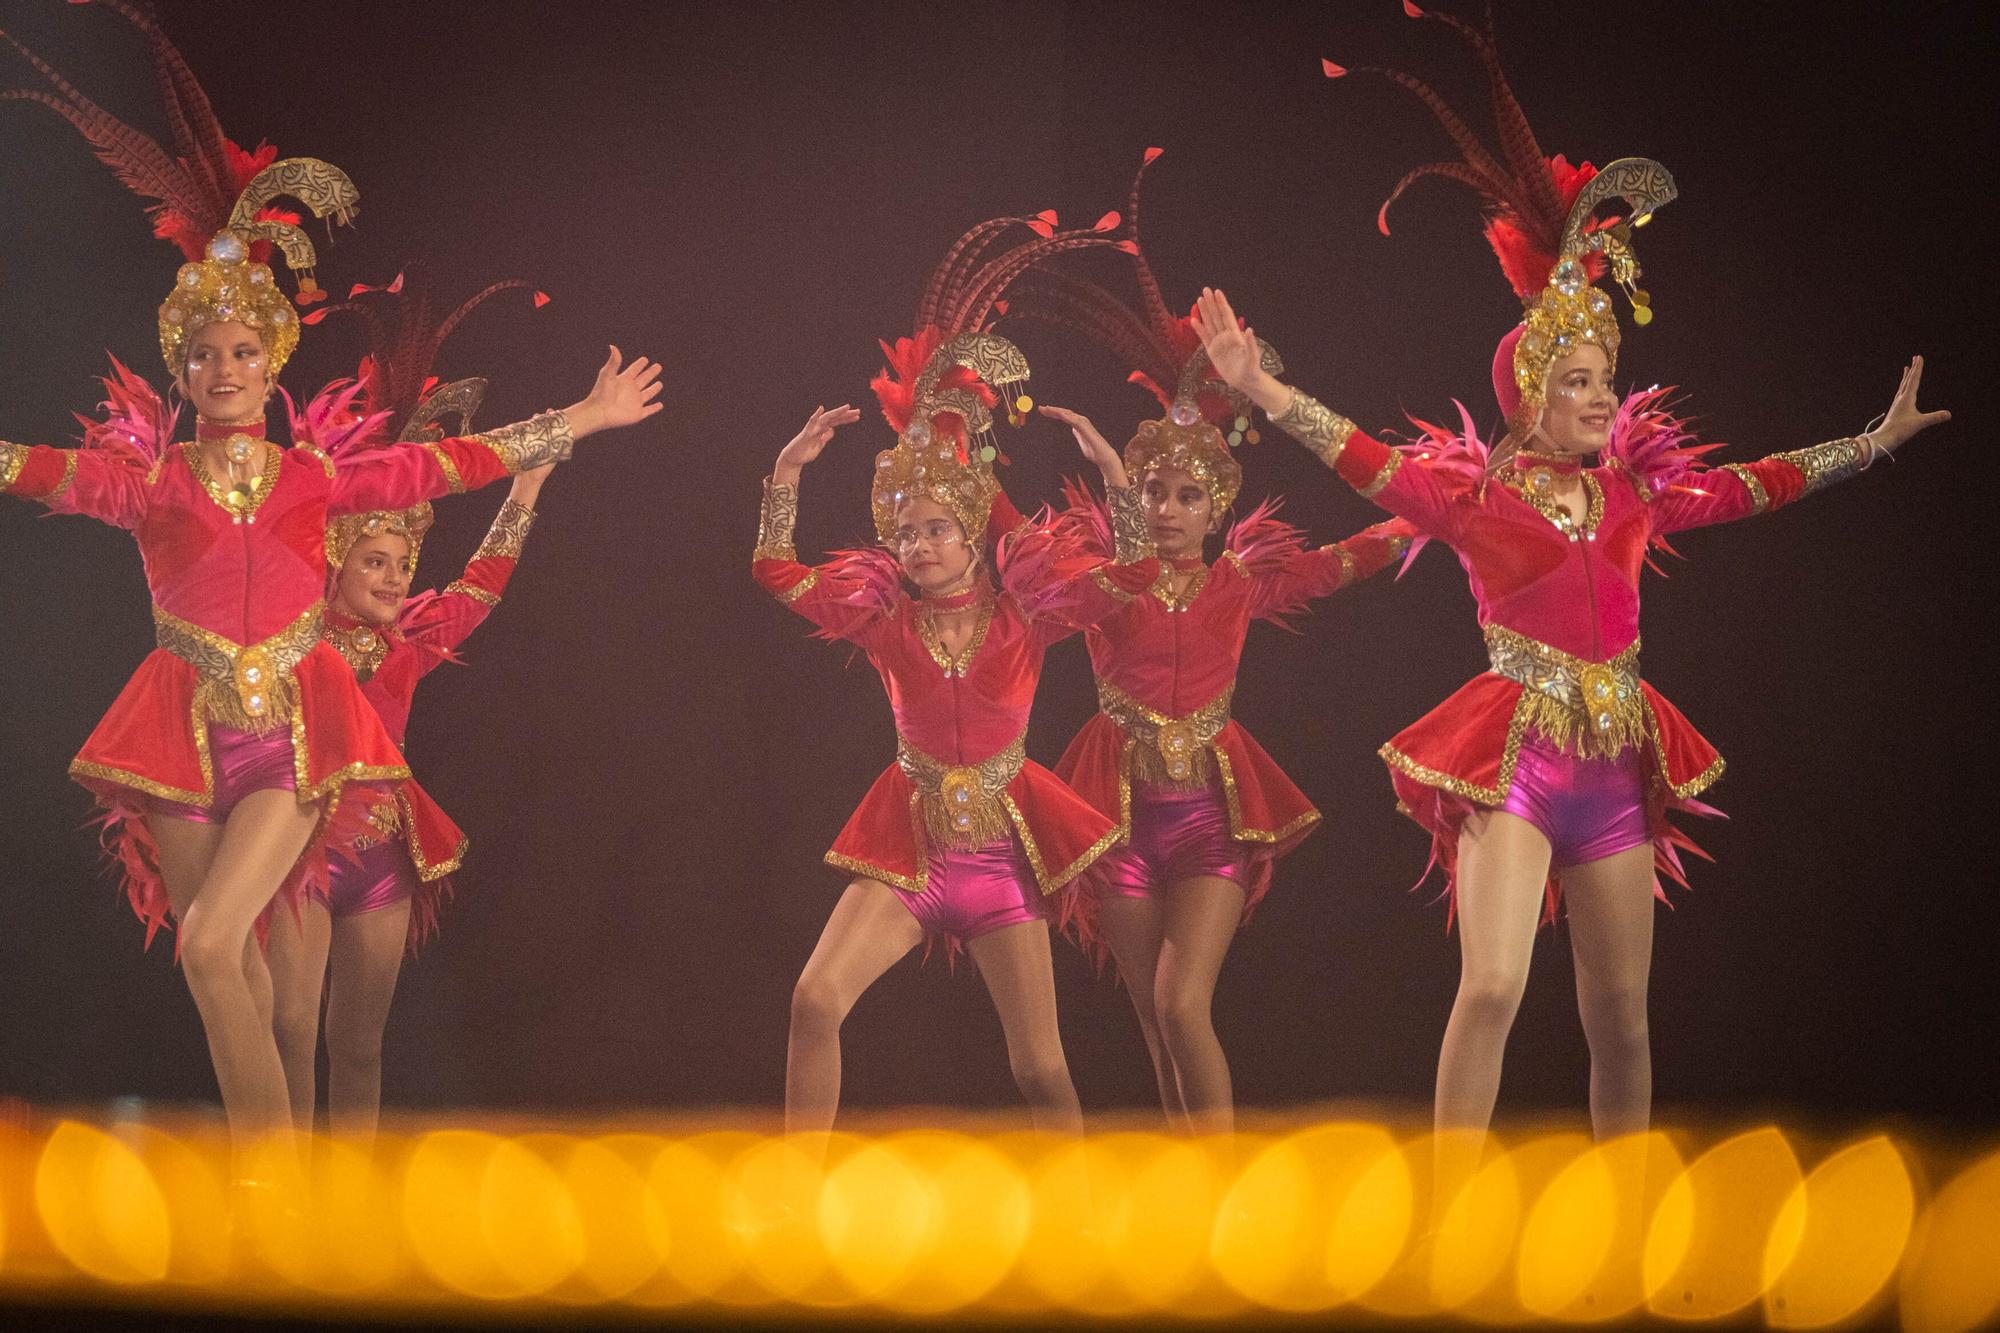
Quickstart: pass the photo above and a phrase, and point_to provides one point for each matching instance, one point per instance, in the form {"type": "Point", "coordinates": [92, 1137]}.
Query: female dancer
{"type": "Point", "coordinates": [388, 898]}
{"type": "Point", "coordinates": [223, 760]}
{"type": "Point", "coordinates": [963, 837]}
{"type": "Point", "coordinates": [1201, 809]}
{"type": "Point", "coordinates": [1553, 772]}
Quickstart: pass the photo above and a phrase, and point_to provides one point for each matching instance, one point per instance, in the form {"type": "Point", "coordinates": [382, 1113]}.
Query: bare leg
{"type": "Point", "coordinates": [297, 955]}
{"type": "Point", "coordinates": [1014, 960]}
{"type": "Point", "coordinates": [367, 957]}
{"type": "Point", "coordinates": [1201, 918]}
{"type": "Point", "coordinates": [259, 844]}
{"type": "Point", "coordinates": [1609, 904]}
{"type": "Point", "coordinates": [1503, 864]}
{"type": "Point", "coordinates": [1131, 926]}
{"type": "Point", "coordinates": [869, 930]}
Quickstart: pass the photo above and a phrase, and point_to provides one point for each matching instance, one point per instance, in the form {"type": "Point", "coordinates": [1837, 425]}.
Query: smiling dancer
{"type": "Point", "coordinates": [1202, 811]}
{"type": "Point", "coordinates": [1547, 779]}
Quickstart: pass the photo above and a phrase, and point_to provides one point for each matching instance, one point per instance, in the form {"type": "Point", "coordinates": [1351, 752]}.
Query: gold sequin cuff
{"type": "Point", "coordinates": [13, 457]}
{"type": "Point", "coordinates": [1760, 499]}
{"type": "Point", "coordinates": [779, 520]}
{"type": "Point", "coordinates": [454, 483]}
{"type": "Point", "coordinates": [1315, 425]}
{"type": "Point", "coordinates": [1390, 468]}
{"type": "Point", "coordinates": [1131, 538]}
{"type": "Point", "coordinates": [509, 533]}
{"type": "Point", "coordinates": [459, 587]}
{"type": "Point", "coordinates": [1824, 464]}
{"type": "Point", "coordinates": [542, 438]}
{"type": "Point", "coordinates": [1349, 566]}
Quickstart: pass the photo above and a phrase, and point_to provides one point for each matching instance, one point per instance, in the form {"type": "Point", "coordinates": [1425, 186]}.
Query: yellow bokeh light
{"type": "Point", "coordinates": [626, 1235]}
{"type": "Point", "coordinates": [527, 1216]}
{"type": "Point", "coordinates": [100, 1206]}
{"type": "Point", "coordinates": [1585, 1235]}
{"type": "Point", "coordinates": [878, 1214]}
{"type": "Point", "coordinates": [1704, 1254]}
{"type": "Point", "coordinates": [1315, 1219]}
{"type": "Point", "coordinates": [770, 1201]}
{"type": "Point", "coordinates": [1951, 1278]}
{"type": "Point", "coordinates": [1081, 1196]}
{"type": "Point", "coordinates": [703, 1258]}
{"type": "Point", "coordinates": [1160, 1259]}
{"type": "Point", "coordinates": [1475, 1267]}
{"type": "Point", "coordinates": [444, 1181]}
{"type": "Point", "coordinates": [1839, 1237]}
{"type": "Point", "coordinates": [982, 1222]}
{"type": "Point", "coordinates": [190, 1183]}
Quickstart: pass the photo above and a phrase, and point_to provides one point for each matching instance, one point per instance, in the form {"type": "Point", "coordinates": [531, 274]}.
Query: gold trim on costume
{"type": "Point", "coordinates": [363, 646]}
{"type": "Point", "coordinates": [959, 666]}
{"type": "Point", "coordinates": [1381, 480]}
{"type": "Point", "coordinates": [1530, 491]}
{"type": "Point", "coordinates": [962, 804]}
{"type": "Point", "coordinates": [249, 687]}
{"type": "Point", "coordinates": [1170, 751]}
{"type": "Point", "coordinates": [1350, 568]}
{"type": "Point", "coordinates": [1237, 829]}
{"type": "Point", "coordinates": [260, 486]}
{"type": "Point", "coordinates": [1107, 586]}
{"type": "Point", "coordinates": [1589, 709]}
{"type": "Point", "coordinates": [777, 522]}
{"type": "Point", "coordinates": [427, 871]}
{"type": "Point", "coordinates": [68, 478]}
{"type": "Point", "coordinates": [868, 870]}
{"type": "Point", "coordinates": [1163, 588]}
{"type": "Point", "coordinates": [1760, 499]}
{"type": "Point", "coordinates": [542, 438]}
{"type": "Point", "coordinates": [1681, 790]}
{"type": "Point", "coordinates": [799, 589]}
{"type": "Point", "coordinates": [474, 591]}
{"type": "Point", "coordinates": [1315, 425]}
{"type": "Point", "coordinates": [454, 483]}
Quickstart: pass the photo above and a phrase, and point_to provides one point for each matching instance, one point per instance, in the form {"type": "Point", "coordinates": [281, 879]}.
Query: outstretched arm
{"type": "Point", "coordinates": [1304, 575]}
{"type": "Point", "coordinates": [96, 483]}
{"type": "Point", "coordinates": [1741, 490]}
{"type": "Point", "coordinates": [448, 619]}
{"type": "Point", "coordinates": [398, 477]}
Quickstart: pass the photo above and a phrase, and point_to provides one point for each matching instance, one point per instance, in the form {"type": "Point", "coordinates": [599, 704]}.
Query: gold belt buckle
{"type": "Point", "coordinates": [1601, 691]}
{"type": "Point", "coordinates": [960, 790]}
{"type": "Point", "coordinates": [1177, 747]}
{"type": "Point", "coordinates": [253, 680]}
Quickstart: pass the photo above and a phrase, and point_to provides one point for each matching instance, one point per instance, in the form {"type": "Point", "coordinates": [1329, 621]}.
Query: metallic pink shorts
{"type": "Point", "coordinates": [382, 877]}
{"type": "Point", "coordinates": [969, 894]}
{"type": "Point", "coordinates": [1588, 809]}
{"type": "Point", "coordinates": [242, 763]}
{"type": "Point", "coordinates": [1176, 835]}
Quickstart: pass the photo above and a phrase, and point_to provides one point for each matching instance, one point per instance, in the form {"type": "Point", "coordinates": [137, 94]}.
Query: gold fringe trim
{"type": "Point", "coordinates": [963, 806]}
{"type": "Point", "coordinates": [1171, 752]}
{"type": "Point", "coordinates": [1593, 710]}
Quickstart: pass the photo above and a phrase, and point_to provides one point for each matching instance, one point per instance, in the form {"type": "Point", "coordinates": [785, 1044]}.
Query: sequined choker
{"type": "Point", "coordinates": [204, 429]}
{"type": "Point", "coordinates": [1565, 465]}
{"type": "Point", "coordinates": [956, 601]}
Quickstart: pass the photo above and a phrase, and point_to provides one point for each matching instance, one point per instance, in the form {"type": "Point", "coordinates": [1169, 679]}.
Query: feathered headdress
{"type": "Point", "coordinates": [1204, 416]}
{"type": "Point", "coordinates": [398, 396]}
{"type": "Point", "coordinates": [209, 196]}
{"type": "Point", "coordinates": [1541, 222]}
{"type": "Point", "coordinates": [941, 385]}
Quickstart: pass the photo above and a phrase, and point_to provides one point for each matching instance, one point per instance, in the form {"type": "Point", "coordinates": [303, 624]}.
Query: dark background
{"type": "Point", "coordinates": [650, 755]}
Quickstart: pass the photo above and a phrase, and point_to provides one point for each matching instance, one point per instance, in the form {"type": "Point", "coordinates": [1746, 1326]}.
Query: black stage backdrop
{"type": "Point", "coordinates": [651, 755]}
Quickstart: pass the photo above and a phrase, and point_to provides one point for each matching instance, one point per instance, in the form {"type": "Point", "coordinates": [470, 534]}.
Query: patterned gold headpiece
{"type": "Point", "coordinates": [1571, 312]}
{"type": "Point", "coordinates": [410, 524]}
{"type": "Point", "coordinates": [228, 285]}
{"type": "Point", "coordinates": [1190, 437]}
{"type": "Point", "coordinates": [945, 452]}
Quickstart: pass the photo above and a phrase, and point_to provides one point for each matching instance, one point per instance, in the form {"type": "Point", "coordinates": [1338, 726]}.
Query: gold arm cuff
{"type": "Point", "coordinates": [1315, 425]}
{"type": "Point", "coordinates": [1825, 464]}
{"type": "Point", "coordinates": [542, 438]}
{"type": "Point", "coordinates": [13, 457]}
{"type": "Point", "coordinates": [799, 589]}
{"type": "Point", "coordinates": [448, 467]}
{"type": "Point", "coordinates": [1349, 567]}
{"type": "Point", "coordinates": [1132, 539]}
{"type": "Point", "coordinates": [509, 533]}
{"type": "Point", "coordinates": [777, 522]}
{"type": "Point", "coordinates": [1760, 499]}
{"type": "Point", "coordinates": [68, 478]}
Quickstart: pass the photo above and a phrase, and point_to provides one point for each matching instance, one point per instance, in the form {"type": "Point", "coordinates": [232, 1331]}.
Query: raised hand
{"type": "Point", "coordinates": [620, 397]}
{"type": "Point", "coordinates": [1232, 348]}
{"type": "Point", "coordinates": [1904, 417]}
{"type": "Point", "coordinates": [1093, 445]}
{"type": "Point", "coordinates": [812, 440]}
